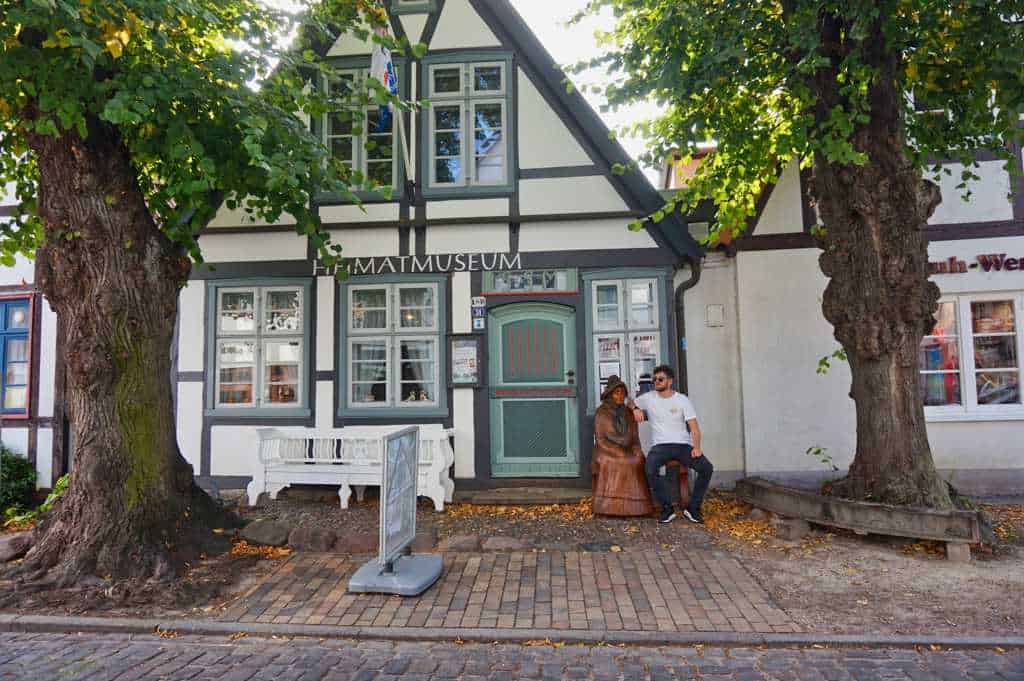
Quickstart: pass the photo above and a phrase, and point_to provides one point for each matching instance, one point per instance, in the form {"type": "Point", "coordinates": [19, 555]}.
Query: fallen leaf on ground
{"type": "Point", "coordinates": [237, 635]}
{"type": "Point", "coordinates": [244, 548]}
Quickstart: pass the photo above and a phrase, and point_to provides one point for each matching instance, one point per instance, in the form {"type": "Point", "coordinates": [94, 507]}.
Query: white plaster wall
{"type": "Point", "coordinates": [988, 200]}
{"type": "Point", "coordinates": [783, 213]}
{"type": "Point", "coordinates": [348, 45]}
{"type": "Point", "coordinates": [713, 362]}
{"type": "Point", "coordinates": [976, 279]}
{"type": "Point", "coordinates": [368, 212]}
{"type": "Point", "coordinates": [467, 238]}
{"type": "Point", "coordinates": [324, 405]}
{"type": "Point", "coordinates": [191, 326]}
{"type": "Point", "coordinates": [413, 25]}
{"type": "Point", "coordinates": [475, 208]}
{"type": "Point", "coordinates": [461, 27]}
{"type": "Point", "coordinates": [47, 358]}
{"type": "Point", "coordinates": [325, 288]}
{"type": "Point", "coordinates": [234, 450]}
{"type": "Point", "coordinates": [227, 218]}
{"type": "Point", "coordinates": [15, 439]}
{"type": "Point", "coordinates": [787, 406]}
{"type": "Point", "coordinates": [44, 458]}
{"type": "Point", "coordinates": [572, 235]}
{"type": "Point", "coordinates": [593, 194]}
{"type": "Point", "coordinates": [462, 298]}
{"type": "Point", "coordinates": [253, 247]}
{"type": "Point", "coordinates": [365, 243]}
{"type": "Point", "coordinates": [544, 140]}
{"type": "Point", "coordinates": [465, 432]}
{"type": "Point", "coordinates": [990, 445]}
{"type": "Point", "coordinates": [22, 272]}
{"type": "Point", "coordinates": [190, 422]}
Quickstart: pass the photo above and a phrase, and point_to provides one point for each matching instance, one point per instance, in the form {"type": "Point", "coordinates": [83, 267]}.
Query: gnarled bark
{"type": "Point", "coordinates": [879, 299]}
{"type": "Point", "coordinates": [132, 508]}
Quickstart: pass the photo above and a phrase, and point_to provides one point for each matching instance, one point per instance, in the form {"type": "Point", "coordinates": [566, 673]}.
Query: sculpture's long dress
{"type": "Point", "coordinates": [620, 484]}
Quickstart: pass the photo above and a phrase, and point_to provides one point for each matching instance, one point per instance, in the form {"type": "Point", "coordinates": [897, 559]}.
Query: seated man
{"type": "Point", "coordinates": [676, 436]}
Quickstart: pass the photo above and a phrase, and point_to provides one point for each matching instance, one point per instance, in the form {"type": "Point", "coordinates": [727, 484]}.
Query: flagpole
{"type": "Point", "coordinates": [404, 142]}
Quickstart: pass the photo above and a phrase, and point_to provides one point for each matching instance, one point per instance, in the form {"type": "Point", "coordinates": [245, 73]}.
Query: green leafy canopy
{"type": "Point", "coordinates": [208, 96]}
{"type": "Point", "coordinates": [742, 74]}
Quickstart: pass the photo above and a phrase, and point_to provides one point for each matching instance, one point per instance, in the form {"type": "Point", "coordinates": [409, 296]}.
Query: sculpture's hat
{"type": "Point", "coordinates": [613, 383]}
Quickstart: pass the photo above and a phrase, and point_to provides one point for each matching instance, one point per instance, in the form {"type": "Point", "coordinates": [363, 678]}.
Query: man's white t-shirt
{"type": "Point", "coordinates": [668, 417]}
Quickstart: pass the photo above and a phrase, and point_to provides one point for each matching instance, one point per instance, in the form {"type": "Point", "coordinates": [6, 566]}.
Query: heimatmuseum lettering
{"type": "Point", "coordinates": [418, 264]}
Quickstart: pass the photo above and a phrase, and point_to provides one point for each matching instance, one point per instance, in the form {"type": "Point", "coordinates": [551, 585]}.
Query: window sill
{"type": "Point", "coordinates": [328, 199]}
{"type": "Point", "coordinates": [945, 415]}
{"type": "Point", "coordinates": [472, 192]}
{"type": "Point", "coordinates": [260, 413]}
{"type": "Point", "coordinates": [395, 413]}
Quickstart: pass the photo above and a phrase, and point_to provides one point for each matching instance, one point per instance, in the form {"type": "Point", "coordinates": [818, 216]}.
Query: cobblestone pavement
{"type": "Point", "coordinates": [628, 591]}
{"type": "Point", "coordinates": [106, 657]}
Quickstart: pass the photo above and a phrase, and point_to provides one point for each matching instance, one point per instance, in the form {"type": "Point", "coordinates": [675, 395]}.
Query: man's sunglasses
{"type": "Point", "coordinates": [660, 379]}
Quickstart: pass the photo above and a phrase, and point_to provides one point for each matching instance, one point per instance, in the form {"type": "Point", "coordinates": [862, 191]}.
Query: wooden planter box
{"type": "Point", "coordinates": [953, 527]}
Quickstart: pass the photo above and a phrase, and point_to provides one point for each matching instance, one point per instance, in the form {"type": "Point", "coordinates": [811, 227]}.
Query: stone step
{"type": "Point", "coordinates": [522, 496]}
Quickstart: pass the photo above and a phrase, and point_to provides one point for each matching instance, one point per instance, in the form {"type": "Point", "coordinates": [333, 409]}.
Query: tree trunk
{"type": "Point", "coordinates": [132, 508]}
{"type": "Point", "coordinates": [879, 298]}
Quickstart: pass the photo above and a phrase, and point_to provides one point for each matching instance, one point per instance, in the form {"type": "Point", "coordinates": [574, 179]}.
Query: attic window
{"type": "Point", "coordinates": [413, 6]}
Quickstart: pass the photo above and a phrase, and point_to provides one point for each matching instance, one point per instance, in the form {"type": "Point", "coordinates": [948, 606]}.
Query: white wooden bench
{"type": "Point", "coordinates": [347, 457]}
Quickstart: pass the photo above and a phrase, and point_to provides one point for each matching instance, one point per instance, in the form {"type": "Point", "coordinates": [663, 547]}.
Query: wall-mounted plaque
{"type": "Point", "coordinates": [465, 361]}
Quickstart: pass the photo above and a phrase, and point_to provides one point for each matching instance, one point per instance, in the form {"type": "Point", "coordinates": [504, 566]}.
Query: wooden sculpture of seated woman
{"type": "Point", "coordinates": [620, 485]}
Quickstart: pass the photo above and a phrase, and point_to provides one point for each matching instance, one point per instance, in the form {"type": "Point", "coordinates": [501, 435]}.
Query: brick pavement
{"type": "Point", "coordinates": [111, 657]}
{"type": "Point", "coordinates": [628, 591]}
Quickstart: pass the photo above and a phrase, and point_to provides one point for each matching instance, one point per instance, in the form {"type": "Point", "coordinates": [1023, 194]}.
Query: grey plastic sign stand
{"type": "Point", "coordinates": [394, 571]}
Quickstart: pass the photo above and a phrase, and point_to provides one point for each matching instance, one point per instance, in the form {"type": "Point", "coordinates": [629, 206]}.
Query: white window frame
{"type": "Point", "coordinates": [970, 410]}
{"type": "Point", "coordinates": [467, 99]}
{"type": "Point", "coordinates": [259, 337]}
{"type": "Point", "coordinates": [393, 335]}
{"type": "Point", "coordinates": [624, 330]}
{"type": "Point", "coordinates": [463, 181]}
{"type": "Point", "coordinates": [360, 156]}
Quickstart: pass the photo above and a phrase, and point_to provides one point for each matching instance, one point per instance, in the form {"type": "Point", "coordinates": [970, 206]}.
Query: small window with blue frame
{"type": "Point", "coordinates": [14, 355]}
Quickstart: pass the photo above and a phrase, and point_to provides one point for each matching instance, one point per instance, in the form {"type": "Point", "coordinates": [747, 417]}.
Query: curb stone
{"type": "Point", "coordinates": [125, 625]}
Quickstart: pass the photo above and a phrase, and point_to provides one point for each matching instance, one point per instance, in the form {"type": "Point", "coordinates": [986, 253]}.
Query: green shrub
{"type": "Point", "coordinates": [17, 480]}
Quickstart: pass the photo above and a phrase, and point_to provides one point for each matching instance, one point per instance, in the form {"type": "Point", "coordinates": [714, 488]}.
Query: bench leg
{"type": "Point", "coordinates": [344, 494]}
{"type": "Point", "coordinates": [274, 490]}
{"type": "Point", "coordinates": [360, 493]}
{"type": "Point", "coordinates": [438, 500]}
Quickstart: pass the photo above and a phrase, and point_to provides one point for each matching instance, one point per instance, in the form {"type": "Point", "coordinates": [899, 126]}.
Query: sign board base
{"type": "Point", "coordinates": [412, 575]}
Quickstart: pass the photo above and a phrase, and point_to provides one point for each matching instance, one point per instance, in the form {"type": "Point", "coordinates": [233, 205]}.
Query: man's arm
{"type": "Point", "coordinates": [695, 434]}
{"type": "Point", "coordinates": [638, 411]}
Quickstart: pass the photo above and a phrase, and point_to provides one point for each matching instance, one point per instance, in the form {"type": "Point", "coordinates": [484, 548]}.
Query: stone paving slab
{"type": "Point", "coordinates": [656, 591]}
{"type": "Point", "coordinates": [109, 657]}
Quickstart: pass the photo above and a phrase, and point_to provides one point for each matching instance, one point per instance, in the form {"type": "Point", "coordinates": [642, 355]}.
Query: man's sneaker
{"type": "Point", "coordinates": [693, 517]}
{"type": "Point", "coordinates": [667, 515]}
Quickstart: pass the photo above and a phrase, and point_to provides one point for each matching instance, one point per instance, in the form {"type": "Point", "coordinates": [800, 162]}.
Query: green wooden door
{"type": "Point", "coordinates": [533, 391]}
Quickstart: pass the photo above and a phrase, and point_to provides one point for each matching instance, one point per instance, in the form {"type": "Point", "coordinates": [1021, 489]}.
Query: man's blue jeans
{"type": "Point", "coordinates": [662, 454]}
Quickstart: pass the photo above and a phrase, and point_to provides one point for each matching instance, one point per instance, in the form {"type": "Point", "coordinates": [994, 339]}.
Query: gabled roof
{"type": "Point", "coordinates": [577, 113]}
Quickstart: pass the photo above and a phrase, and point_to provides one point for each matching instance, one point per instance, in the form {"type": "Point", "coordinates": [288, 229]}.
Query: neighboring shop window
{"type": "Point", "coordinates": [393, 338]}
{"type": "Point", "coordinates": [356, 138]}
{"type": "Point", "coordinates": [627, 338]}
{"type": "Point", "coordinates": [468, 133]}
{"type": "Point", "coordinates": [259, 346]}
{"type": "Point", "coordinates": [530, 281]}
{"type": "Point", "coordinates": [14, 353]}
{"type": "Point", "coordinates": [970, 362]}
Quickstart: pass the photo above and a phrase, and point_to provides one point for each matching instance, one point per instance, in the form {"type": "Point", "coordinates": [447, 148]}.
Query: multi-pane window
{"type": "Point", "coordinates": [971, 359]}
{"type": "Point", "coordinates": [468, 132]}
{"type": "Point", "coordinates": [259, 346]}
{"type": "Point", "coordinates": [356, 137]}
{"type": "Point", "coordinates": [627, 338]}
{"type": "Point", "coordinates": [14, 355]}
{"type": "Point", "coordinates": [393, 345]}
{"type": "Point", "coordinates": [410, 6]}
